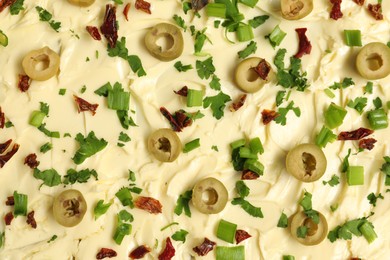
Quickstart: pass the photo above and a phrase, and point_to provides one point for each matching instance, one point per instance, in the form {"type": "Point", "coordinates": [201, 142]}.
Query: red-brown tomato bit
{"type": "Point", "coordinates": [109, 27]}
{"type": "Point", "coordinates": [375, 11]}
{"type": "Point", "coordinates": [367, 143]}
{"type": "Point", "coordinates": [10, 201]}
{"type": "Point", "coordinates": [83, 105]}
{"type": "Point", "coordinates": [31, 220]}
{"type": "Point", "coordinates": [268, 115]}
{"type": "Point", "coordinates": [5, 3]}
{"type": "Point", "coordinates": [182, 92]}
{"type": "Point", "coordinates": [139, 252]}
{"type": "Point", "coordinates": [355, 134]}
{"type": "Point", "coordinates": [304, 46]}
{"type": "Point", "coordinates": [6, 157]}
{"type": "Point", "coordinates": [204, 248]}
{"type": "Point", "coordinates": [24, 82]}
{"type": "Point", "coordinates": [241, 235]}
{"type": "Point", "coordinates": [4, 146]}
{"type": "Point", "coordinates": [148, 204]}
{"type": "Point", "coordinates": [359, 2]}
{"type": "Point", "coordinates": [8, 218]}
{"type": "Point", "coordinates": [126, 11]}
{"type": "Point", "coordinates": [178, 121]}
{"type": "Point", "coordinates": [2, 119]}
{"type": "Point", "coordinates": [168, 252]}
{"type": "Point", "coordinates": [196, 5]}
{"type": "Point", "coordinates": [238, 104]}
{"type": "Point", "coordinates": [336, 13]}
{"type": "Point", "coordinates": [249, 175]}
{"type": "Point", "coordinates": [262, 69]}
{"type": "Point", "coordinates": [105, 253]}
{"type": "Point", "coordinates": [31, 161]}
{"type": "Point", "coordinates": [143, 6]}
{"type": "Point", "coordinates": [94, 32]}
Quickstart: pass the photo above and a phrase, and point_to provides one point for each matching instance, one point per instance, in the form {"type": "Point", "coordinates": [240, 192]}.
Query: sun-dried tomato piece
{"type": "Point", "coordinates": [359, 2]}
{"type": "Point", "coordinates": [2, 119]}
{"type": "Point", "coordinates": [268, 115]}
{"type": "Point", "coordinates": [143, 6]}
{"type": "Point", "coordinates": [6, 157]}
{"type": "Point", "coordinates": [238, 104]}
{"type": "Point", "coordinates": [109, 26]}
{"type": "Point", "coordinates": [94, 32]}
{"type": "Point", "coordinates": [375, 11]}
{"type": "Point", "coordinates": [31, 161]}
{"type": "Point", "coordinates": [367, 143]}
{"type": "Point", "coordinates": [24, 82]}
{"type": "Point", "coordinates": [171, 119]}
{"type": "Point", "coordinates": [31, 220]}
{"type": "Point", "coordinates": [304, 43]}
{"type": "Point", "coordinates": [10, 201]}
{"type": "Point", "coordinates": [169, 251]}
{"type": "Point", "coordinates": [126, 11]}
{"type": "Point", "coordinates": [139, 252]}
{"type": "Point", "coordinates": [5, 3]}
{"type": "Point", "coordinates": [204, 248]}
{"type": "Point", "coordinates": [182, 92]}
{"type": "Point", "coordinates": [262, 69]}
{"type": "Point", "coordinates": [149, 204]}
{"type": "Point", "coordinates": [355, 258]}
{"type": "Point", "coordinates": [178, 121]}
{"type": "Point", "coordinates": [241, 235]}
{"type": "Point", "coordinates": [4, 146]}
{"type": "Point", "coordinates": [196, 5]}
{"type": "Point", "coordinates": [106, 252]}
{"type": "Point", "coordinates": [249, 175]}
{"type": "Point", "coordinates": [83, 105]}
{"type": "Point", "coordinates": [355, 134]}
{"type": "Point", "coordinates": [336, 13]}
{"type": "Point", "coordinates": [8, 218]}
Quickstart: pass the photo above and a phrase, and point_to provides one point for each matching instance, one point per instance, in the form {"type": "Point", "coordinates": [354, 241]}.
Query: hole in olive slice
{"type": "Point", "coordinates": [373, 61]}
{"type": "Point", "coordinates": [296, 9]}
{"type": "Point", "coordinates": [209, 196]}
{"type": "Point", "coordinates": [316, 233]}
{"type": "Point", "coordinates": [306, 162]}
{"type": "Point", "coordinates": [41, 64]}
{"type": "Point", "coordinates": [82, 3]}
{"type": "Point", "coordinates": [164, 144]}
{"type": "Point", "coordinates": [246, 77]}
{"type": "Point", "coordinates": [164, 41]}
{"type": "Point", "coordinates": [69, 208]}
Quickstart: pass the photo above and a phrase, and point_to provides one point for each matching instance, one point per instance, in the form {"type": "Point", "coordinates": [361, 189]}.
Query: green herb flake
{"type": "Point", "coordinates": [345, 163]}
{"type": "Point", "coordinates": [62, 91]}
{"type": "Point", "coordinates": [349, 228]}
{"type": "Point", "coordinates": [72, 176]}
{"type": "Point", "coordinates": [377, 103]}
{"type": "Point", "coordinates": [44, 108]}
{"type": "Point", "coordinates": [89, 146]}
{"type": "Point", "coordinates": [368, 87]}
{"type": "Point", "coordinates": [249, 49]}
{"type": "Point", "coordinates": [182, 203]}
{"type": "Point", "coordinates": [283, 111]}
{"type": "Point", "coordinates": [182, 68]}
{"type": "Point", "coordinates": [186, 7]}
{"type": "Point", "coordinates": [180, 22]}
{"type": "Point", "coordinates": [276, 36]}
{"type": "Point", "coordinates": [9, 124]}
{"type": "Point", "coordinates": [125, 216]}
{"type": "Point", "coordinates": [346, 82]}
{"type": "Point", "coordinates": [200, 39]}
{"type": "Point", "coordinates": [16, 7]}
{"type": "Point", "coordinates": [248, 207]}
{"type": "Point", "coordinates": [49, 177]}
{"type": "Point", "coordinates": [123, 137]}
{"type": "Point", "coordinates": [242, 189]}
{"type": "Point", "coordinates": [372, 198]}
{"type": "Point", "coordinates": [283, 221]}
{"type": "Point", "coordinates": [217, 104]}
{"type": "Point", "coordinates": [46, 147]}
{"type": "Point", "coordinates": [45, 16]}
{"type": "Point", "coordinates": [124, 196]}
{"type": "Point", "coordinates": [335, 180]}
{"type": "Point", "coordinates": [215, 148]}
{"type": "Point", "coordinates": [334, 207]}
{"type": "Point", "coordinates": [386, 170]}
{"type": "Point", "coordinates": [83, 89]}
{"type": "Point", "coordinates": [302, 231]}
{"type": "Point", "coordinates": [358, 104]}
{"type": "Point", "coordinates": [205, 68]}
{"type": "Point", "coordinates": [180, 235]}
{"type": "Point", "coordinates": [54, 237]}
{"type": "Point", "coordinates": [258, 20]}
{"type": "Point", "coordinates": [101, 208]}
{"type": "Point", "coordinates": [280, 97]}
{"type": "Point", "coordinates": [20, 204]}
{"type": "Point", "coordinates": [53, 134]}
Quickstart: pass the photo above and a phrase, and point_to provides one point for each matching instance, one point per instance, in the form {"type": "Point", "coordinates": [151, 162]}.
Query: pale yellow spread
{"type": "Point", "coordinates": [274, 192]}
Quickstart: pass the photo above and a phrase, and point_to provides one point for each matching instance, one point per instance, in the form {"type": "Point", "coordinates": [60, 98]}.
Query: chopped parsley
{"type": "Point", "coordinates": [200, 39]}
{"type": "Point", "coordinates": [182, 203]}
{"type": "Point", "coordinates": [101, 208]}
{"type": "Point", "coordinates": [123, 137]}
{"type": "Point", "coordinates": [125, 216]}
{"type": "Point", "coordinates": [280, 97]}
{"type": "Point", "coordinates": [306, 204]}
{"type": "Point", "coordinates": [9, 124]}
{"type": "Point", "coordinates": [372, 198]}
{"type": "Point", "coordinates": [53, 134]}
{"type": "Point", "coordinates": [182, 68]}
{"type": "Point", "coordinates": [45, 16]}
{"type": "Point", "coordinates": [62, 91]}
{"type": "Point", "coordinates": [83, 89]}
{"type": "Point", "coordinates": [125, 197]}
{"type": "Point", "coordinates": [258, 20]}
{"type": "Point", "coordinates": [377, 103]}
{"type": "Point", "coordinates": [46, 147]}
{"type": "Point", "coordinates": [72, 176]}
{"type": "Point", "coordinates": [386, 170]}
{"type": "Point", "coordinates": [368, 87]}
{"type": "Point", "coordinates": [180, 235]}
{"type": "Point", "coordinates": [54, 237]}
{"type": "Point", "coordinates": [49, 177]}
{"type": "Point", "coordinates": [16, 7]}
{"type": "Point", "coordinates": [122, 229]}
{"type": "Point", "coordinates": [217, 104]}
{"type": "Point", "coordinates": [349, 228]}
{"type": "Point", "coordinates": [242, 189]}
{"type": "Point", "coordinates": [249, 49]}
{"type": "Point", "coordinates": [180, 22]}
{"type": "Point", "coordinates": [283, 221]}
{"type": "Point", "coordinates": [302, 231]}
{"type": "Point", "coordinates": [169, 225]}
{"type": "Point", "coordinates": [283, 111]}
{"type": "Point", "coordinates": [44, 108]}
{"type": "Point", "coordinates": [89, 146]}
{"type": "Point", "coordinates": [215, 148]}
{"type": "Point", "coordinates": [335, 180]}
{"type": "Point", "coordinates": [345, 163]}
{"type": "Point", "coordinates": [346, 82]}
{"type": "Point", "coordinates": [205, 68]}
{"type": "Point", "coordinates": [358, 104]}
{"type": "Point", "coordinates": [248, 207]}
{"type": "Point", "coordinates": [215, 83]}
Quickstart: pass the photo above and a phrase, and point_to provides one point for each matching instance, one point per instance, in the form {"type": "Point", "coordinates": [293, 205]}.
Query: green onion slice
{"type": "Point", "coordinates": [368, 232]}
{"type": "Point", "coordinates": [355, 175]}
{"type": "Point", "coordinates": [334, 116]}
{"type": "Point", "coordinates": [191, 145]}
{"type": "Point", "coordinates": [226, 231]}
{"type": "Point", "coordinates": [377, 119]}
{"type": "Point", "coordinates": [353, 37]}
{"type": "Point", "coordinates": [216, 10]}
{"type": "Point", "coordinates": [230, 253]}
{"type": "Point", "coordinates": [250, 3]}
{"type": "Point", "coordinates": [36, 118]}
{"type": "Point", "coordinates": [194, 98]}
{"type": "Point", "coordinates": [20, 200]}
{"type": "Point", "coordinates": [244, 33]}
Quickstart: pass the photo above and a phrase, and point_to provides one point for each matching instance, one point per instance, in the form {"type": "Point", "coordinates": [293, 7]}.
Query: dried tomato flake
{"type": "Point", "coordinates": [24, 82]}
{"type": "Point", "coordinates": [31, 161]}
{"type": "Point", "coordinates": [375, 11]}
{"type": "Point", "coordinates": [204, 248]}
{"type": "Point", "coordinates": [31, 220]}
{"type": "Point", "coordinates": [126, 11]}
{"type": "Point", "coordinates": [241, 235]}
{"type": "Point", "coordinates": [94, 32]}
{"type": "Point", "coordinates": [5, 3]}
{"type": "Point", "coordinates": [83, 105]}
{"type": "Point", "coordinates": [109, 26]}
{"type": "Point", "coordinates": [4, 146]}
{"type": "Point", "coordinates": [178, 121]}
{"type": "Point", "coordinates": [238, 104]}
{"type": "Point", "coordinates": [304, 43]}
{"type": "Point", "coordinates": [169, 251]}
{"type": "Point", "coordinates": [2, 119]}
{"type": "Point", "coordinates": [367, 143]}
{"type": "Point", "coordinates": [355, 135]}
{"type": "Point", "coordinates": [149, 204]}
{"type": "Point", "coordinates": [198, 4]}
{"type": "Point", "coordinates": [8, 218]}
{"type": "Point", "coordinates": [6, 157]}
{"type": "Point", "coordinates": [262, 69]}
{"type": "Point", "coordinates": [10, 201]}
{"type": "Point", "coordinates": [106, 252]}
{"type": "Point", "coordinates": [143, 6]}
{"type": "Point", "coordinates": [249, 175]}
{"type": "Point", "coordinates": [336, 13]}
{"type": "Point", "coordinates": [268, 116]}
{"type": "Point", "coordinates": [139, 252]}
{"type": "Point", "coordinates": [359, 2]}
{"type": "Point", "coordinates": [182, 92]}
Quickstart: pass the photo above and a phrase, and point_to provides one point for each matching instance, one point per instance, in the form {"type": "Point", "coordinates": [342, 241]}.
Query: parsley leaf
{"type": "Point", "coordinates": [180, 235]}
{"type": "Point", "coordinates": [279, 97]}
{"type": "Point", "coordinates": [237, 161]}
{"type": "Point", "coordinates": [282, 111]}
{"type": "Point", "coordinates": [45, 16]}
{"type": "Point", "coordinates": [205, 68]}
{"type": "Point", "coordinates": [249, 49]}
{"type": "Point", "coordinates": [258, 20]}
{"type": "Point", "coordinates": [72, 176]}
{"type": "Point", "coordinates": [372, 198]}
{"type": "Point", "coordinates": [200, 39]}
{"type": "Point", "coordinates": [333, 181]}
{"type": "Point", "coordinates": [180, 67]}
{"type": "Point", "coordinates": [125, 119]}
{"type": "Point", "coordinates": [45, 147]}
{"type": "Point", "coordinates": [49, 177]}
{"type": "Point", "coordinates": [183, 203]}
{"type": "Point", "coordinates": [345, 164]}
{"type": "Point", "coordinates": [123, 137]}
{"type": "Point", "coordinates": [368, 87]}
{"type": "Point", "coordinates": [214, 83]}
{"type": "Point", "coordinates": [217, 104]}
{"type": "Point", "coordinates": [180, 22]}
{"type": "Point", "coordinates": [89, 146]}
{"type": "Point", "coordinates": [307, 207]}
{"type": "Point", "coordinates": [358, 104]}
{"type": "Point", "coordinates": [242, 189]}
{"type": "Point", "coordinates": [248, 207]}
{"type": "Point", "coordinates": [16, 7]}
{"type": "Point", "coordinates": [44, 108]}
{"type": "Point", "coordinates": [343, 84]}
{"type": "Point", "coordinates": [302, 231]}
{"type": "Point", "coordinates": [283, 221]}
{"type": "Point", "coordinates": [101, 208]}
{"type": "Point", "coordinates": [386, 170]}
{"type": "Point", "coordinates": [346, 230]}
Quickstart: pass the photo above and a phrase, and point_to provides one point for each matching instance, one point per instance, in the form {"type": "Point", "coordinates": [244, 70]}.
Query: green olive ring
{"type": "Point", "coordinates": [69, 208]}
{"type": "Point", "coordinates": [316, 233]}
{"type": "Point", "coordinates": [172, 33]}
{"type": "Point", "coordinates": [209, 196]}
{"type": "Point", "coordinates": [82, 3]}
{"type": "Point", "coordinates": [306, 162]}
{"type": "Point", "coordinates": [164, 145]}
{"type": "Point", "coordinates": [296, 9]}
{"type": "Point", "coordinates": [41, 64]}
{"type": "Point", "coordinates": [246, 78]}
{"type": "Point", "coordinates": [373, 61]}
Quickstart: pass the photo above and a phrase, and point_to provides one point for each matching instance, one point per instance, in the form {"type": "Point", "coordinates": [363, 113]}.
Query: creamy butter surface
{"type": "Point", "coordinates": [84, 62]}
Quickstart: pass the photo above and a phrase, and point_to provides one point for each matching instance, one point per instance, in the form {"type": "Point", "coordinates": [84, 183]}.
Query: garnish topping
{"type": "Point", "coordinates": [148, 204]}
{"type": "Point", "coordinates": [8, 218]}
{"type": "Point", "coordinates": [182, 92]}
{"type": "Point", "coordinates": [24, 82]}
{"type": "Point", "coordinates": [109, 27]}
{"type": "Point", "coordinates": [101, 208]}
{"type": "Point", "coordinates": [31, 220]}
{"type": "Point", "coordinates": [357, 227]}
{"type": "Point", "coordinates": [182, 203]}
{"type": "Point", "coordinates": [376, 11]}
{"type": "Point", "coordinates": [89, 146]}
{"type": "Point", "coordinates": [143, 6]}
{"type": "Point", "coordinates": [4, 158]}
{"type": "Point", "coordinates": [139, 252]}
{"type": "Point", "coordinates": [262, 69]}
{"type": "Point", "coordinates": [180, 235]}
{"type": "Point", "coordinates": [241, 235]}
{"type": "Point", "coordinates": [168, 252]}
{"type": "Point", "coordinates": [126, 11]}
{"type": "Point", "coordinates": [105, 252]}
{"type": "Point", "coordinates": [2, 120]}
{"type": "Point", "coordinates": [178, 120]}
{"type": "Point", "coordinates": [336, 13]}
{"type": "Point", "coordinates": [31, 161]}
{"type": "Point", "coordinates": [355, 134]}
{"type": "Point", "coordinates": [94, 32]}
{"type": "Point", "coordinates": [83, 105]}
{"type": "Point", "coordinates": [204, 248]}
{"type": "Point", "coordinates": [304, 43]}
{"type": "Point", "coordinates": [238, 103]}
{"type": "Point", "coordinates": [367, 143]}
{"type": "Point", "coordinates": [45, 16]}
{"type": "Point", "coordinates": [217, 104]}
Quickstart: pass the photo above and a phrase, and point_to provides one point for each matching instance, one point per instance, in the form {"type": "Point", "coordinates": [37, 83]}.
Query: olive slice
{"type": "Point", "coordinates": [296, 9]}
{"type": "Point", "coordinates": [315, 232]}
{"type": "Point", "coordinates": [41, 64]}
{"type": "Point", "coordinates": [373, 61]}
{"type": "Point", "coordinates": [172, 37]}
{"type": "Point", "coordinates": [209, 196]}
{"type": "Point", "coordinates": [164, 144]}
{"type": "Point", "coordinates": [246, 78]}
{"type": "Point", "coordinates": [306, 162]}
{"type": "Point", "coordinates": [69, 208]}
{"type": "Point", "coordinates": [82, 3]}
